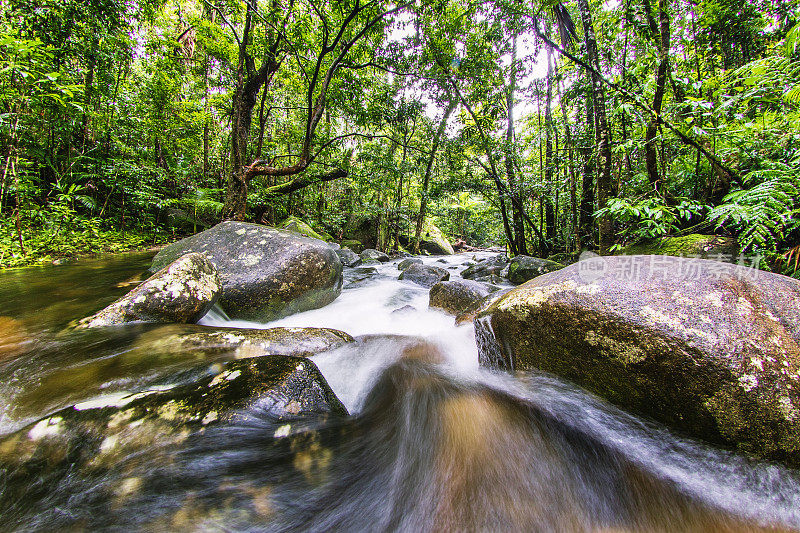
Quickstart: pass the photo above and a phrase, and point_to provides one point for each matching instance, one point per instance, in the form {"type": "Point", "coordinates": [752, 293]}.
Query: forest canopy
{"type": "Point", "coordinates": [543, 127]}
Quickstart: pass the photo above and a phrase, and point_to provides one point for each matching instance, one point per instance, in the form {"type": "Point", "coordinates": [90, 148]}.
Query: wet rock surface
{"type": "Point", "coordinates": [457, 296]}
{"type": "Point", "coordinates": [96, 434]}
{"type": "Point", "coordinates": [426, 276]}
{"type": "Point", "coordinates": [181, 292]}
{"type": "Point", "coordinates": [348, 257]}
{"type": "Point", "coordinates": [708, 348]}
{"type": "Point", "coordinates": [405, 263]}
{"type": "Point", "coordinates": [370, 254]}
{"type": "Point", "coordinates": [523, 268]}
{"type": "Point", "coordinates": [266, 273]}
{"type": "Point", "coordinates": [486, 269]}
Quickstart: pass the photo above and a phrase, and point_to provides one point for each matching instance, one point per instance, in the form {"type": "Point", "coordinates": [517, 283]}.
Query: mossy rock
{"type": "Point", "coordinates": [708, 348]}
{"type": "Point", "coordinates": [523, 268]}
{"type": "Point", "coordinates": [354, 245]}
{"type": "Point", "coordinates": [298, 226]}
{"type": "Point", "coordinates": [695, 245]}
{"type": "Point", "coordinates": [266, 273]}
{"type": "Point", "coordinates": [348, 257]}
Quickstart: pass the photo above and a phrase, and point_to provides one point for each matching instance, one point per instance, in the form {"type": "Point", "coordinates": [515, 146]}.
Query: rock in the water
{"type": "Point", "coordinates": [484, 270]}
{"type": "Point", "coordinates": [240, 342]}
{"type": "Point", "coordinates": [266, 273]}
{"type": "Point", "coordinates": [523, 268]}
{"type": "Point", "coordinates": [405, 263]}
{"type": "Point", "coordinates": [371, 254]}
{"type": "Point", "coordinates": [427, 276]}
{"type": "Point", "coordinates": [457, 296]}
{"type": "Point", "coordinates": [114, 431]}
{"type": "Point", "coordinates": [181, 292]}
{"type": "Point", "coordinates": [406, 309]}
{"type": "Point", "coordinates": [708, 348]}
{"type": "Point", "coordinates": [714, 247]}
{"type": "Point", "coordinates": [298, 226]}
{"type": "Point", "coordinates": [348, 257]}
{"type": "Point", "coordinates": [474, 310]}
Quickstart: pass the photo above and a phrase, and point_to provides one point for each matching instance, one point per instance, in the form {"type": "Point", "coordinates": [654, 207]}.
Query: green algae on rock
{"type": "Point", "coordinates": [266, 273]}
{"type": "Point", "coordinates": [523, 268]}
{"type": "Point", "coordinates": [708, 348]}
{"type": "Point", "coordinates": [457, 296]}
{"type": "Point", "coordinates": [694, 245]}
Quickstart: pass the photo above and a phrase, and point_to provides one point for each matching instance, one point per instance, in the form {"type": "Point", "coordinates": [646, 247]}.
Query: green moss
{"type": "Point", "coordinates": [689, 245]}
{"type": "Point", "coordinates": [298, 226]}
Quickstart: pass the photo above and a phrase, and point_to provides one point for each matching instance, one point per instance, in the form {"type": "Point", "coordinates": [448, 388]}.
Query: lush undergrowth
{"type": "Point", "coordinates": [53, 240]}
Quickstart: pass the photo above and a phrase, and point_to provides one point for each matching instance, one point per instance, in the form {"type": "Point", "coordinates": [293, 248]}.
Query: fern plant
{"type": "Point", "coordinates": [767, 211]}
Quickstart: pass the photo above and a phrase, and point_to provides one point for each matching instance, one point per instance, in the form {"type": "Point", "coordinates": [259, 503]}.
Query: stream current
{"type": "Point", "coordinates": [433, 443]}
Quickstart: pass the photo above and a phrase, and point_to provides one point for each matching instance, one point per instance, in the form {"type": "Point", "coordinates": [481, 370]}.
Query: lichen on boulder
{"type": "Point", "coordinates": [266, 273]}
{"type": "Point", "coordinates": [708, 348]}
{"type": "Point", "coordinates": [715, 247]}
{"type": "Point", "coordinates": [181, 292]}
{"type": "Point", "coordinates": [523, 268]}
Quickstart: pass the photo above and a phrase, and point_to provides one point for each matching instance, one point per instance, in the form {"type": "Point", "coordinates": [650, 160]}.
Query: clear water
{"type": "Point", "coordinates": [434, 443]}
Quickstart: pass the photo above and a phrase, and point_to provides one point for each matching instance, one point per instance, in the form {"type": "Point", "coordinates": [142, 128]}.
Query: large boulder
{"type": "Point", "coordinates": [370, 254]}
{"type": "Point", "coordinates": [709, 348]}
{"type": "Point", "coordinates": [354, 245]}
{"type": "Point", "coordinates": [457, 296]}
{"type": "Point", "coordinates": [266, 273]}
{"type": "Point", "coordinates": [362, 228]}
{"type": "Point", "coordinates": [298, 226]}
{"type": "Point", "coordinates": [427, 276]}
{"type": "Point", "coordinates": [348, 257]}
{"type": "Point", "coordinates": [715, 247]}
{"type": "Point", "coordinates": [523, 268]}
{"type": "Point", "coordinates": [486, 269]}
{"type": "Point", "coordinates": [182, 292]}
{"type": "Point", "coordinates": [434, 241]}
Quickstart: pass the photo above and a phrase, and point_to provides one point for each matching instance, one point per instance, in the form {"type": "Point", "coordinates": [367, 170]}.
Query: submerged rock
{"type": "Point", "coordinates": [348, 257]}
{"type": "Point", "coordinates": [457, 296]}
{"type": "Point", "coordinates": [708, 348]}
{"type": "Point", "coordinates": [100, 432]}
{"type": "Point", "coordinates": [427, 276]}
{"type": "Point", "coordinates": [181, 292]}
{"type": "Point", "coordinates": [371, 254]}
{"type": "Point", "coordinates": [523, 268]}
{"type": "Point", "coordinates": [266, 273]}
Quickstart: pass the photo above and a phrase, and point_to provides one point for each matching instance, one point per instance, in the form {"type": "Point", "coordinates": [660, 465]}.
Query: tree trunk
{"type": "Point", "coordinates": [602, 132]}
{"type": "Point", "coordinates": [550, 223]}
{"type": "Point", "coordinates": [423, 202]}
{"type": "Point", "coordinates": [587, 188]}
{"type": "Point", "coordinates": [651, 149]}
{"type": "Point", "coordinates": [517, 217]}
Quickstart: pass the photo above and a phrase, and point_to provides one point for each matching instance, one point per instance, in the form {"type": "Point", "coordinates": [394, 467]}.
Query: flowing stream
{"type": "Point", "coordinates": [433, 443]}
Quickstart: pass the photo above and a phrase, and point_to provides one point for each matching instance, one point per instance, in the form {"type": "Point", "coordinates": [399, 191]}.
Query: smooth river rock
{"type": "Point", "coordinates": [708, 348]}
{"type": "Point", "coordinates": [348, 257]}
{"type": "Point", "coordinates": [370, 254]}
{"type": "Point", "coordinates": [427, 276]}
{"type": "Point", "coordinates": [266, 273]}
{"type": "Point", "coordinates": [181, 292]}
{"type": "Point", "coordinates": [457, 296]}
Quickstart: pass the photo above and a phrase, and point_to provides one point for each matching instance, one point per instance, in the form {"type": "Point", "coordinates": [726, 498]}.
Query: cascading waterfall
{"type": "Point", "coordinates": [433, 443]}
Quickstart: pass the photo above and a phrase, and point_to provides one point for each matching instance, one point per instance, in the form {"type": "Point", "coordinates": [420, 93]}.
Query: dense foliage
{"type": "Point", "coordinates": [547, 128]}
